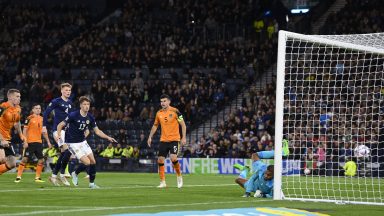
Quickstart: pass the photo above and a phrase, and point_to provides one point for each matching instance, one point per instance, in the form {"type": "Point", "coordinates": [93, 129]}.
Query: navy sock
{"type": "Point", "coordinates": [58, 164]}
{"type": "Point", "coordinates": [64, 161]}
{"type": "Point", "coordinates": [81, 168]}
{"type": "Point", "coordinates": [71, 165]}
{"type": "Point", "coordinates": [92, 173]}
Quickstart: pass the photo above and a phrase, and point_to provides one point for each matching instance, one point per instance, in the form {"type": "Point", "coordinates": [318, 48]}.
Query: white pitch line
{"type": "Point", "coordinates": [104, 188]}
{"type": "Point", "coordinates": [40, 206]}
{"type": "Point", "coordinates": [128, 207]}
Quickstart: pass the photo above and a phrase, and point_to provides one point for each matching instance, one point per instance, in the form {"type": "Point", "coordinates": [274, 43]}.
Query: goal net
{"type": "Point", "coordinates": [330, 107]}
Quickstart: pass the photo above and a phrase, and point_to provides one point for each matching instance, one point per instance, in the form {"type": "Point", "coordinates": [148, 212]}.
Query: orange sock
{"type": "Point", "coordinates": [4, 168]}
{"type": "Point", "coordinates": [176, 166]}
{"type": "Point", "coordinates": [20, 169]}
{"type": "Point", "coordinates": [39, 169]}
{"type": "Point", "coordinates": [161, 172]}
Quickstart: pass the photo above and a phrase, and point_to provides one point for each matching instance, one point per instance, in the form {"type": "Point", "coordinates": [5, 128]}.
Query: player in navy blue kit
{"type": "Point", "coordinates": [61, 107]}
{"type": "Point", "coordinates": [75, 125]}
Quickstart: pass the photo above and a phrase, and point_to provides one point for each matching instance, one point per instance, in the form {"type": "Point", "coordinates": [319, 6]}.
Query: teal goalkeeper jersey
{"type": "Point", "coordinates": [257, 181]}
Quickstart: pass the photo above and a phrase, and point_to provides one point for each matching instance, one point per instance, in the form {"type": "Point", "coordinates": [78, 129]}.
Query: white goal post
{"type": "Point", "coordinates": [330, 108]}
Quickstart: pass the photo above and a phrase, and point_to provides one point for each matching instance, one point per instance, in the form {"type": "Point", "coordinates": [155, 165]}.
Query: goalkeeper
{"type": "Point", "coordinates": [261, 181]}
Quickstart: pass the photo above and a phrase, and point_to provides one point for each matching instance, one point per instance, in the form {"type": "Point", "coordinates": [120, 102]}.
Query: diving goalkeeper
{"type": "Point", "coordinates": [261, 181]}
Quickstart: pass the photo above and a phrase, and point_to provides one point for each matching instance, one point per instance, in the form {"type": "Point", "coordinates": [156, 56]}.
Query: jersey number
{"type": "Point", "coordinates": [175, 149]}
{"type": "Point", "coordinates": [82, 126]}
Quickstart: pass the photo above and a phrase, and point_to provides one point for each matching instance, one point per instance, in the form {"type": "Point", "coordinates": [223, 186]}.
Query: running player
{"type": "Point", "coordinates": [34, 146]}
{"type": "Point", "coordinates": [10, 113]}
{"type": "Point", "coordinates": [169, 118]}
{"type": "Point", "coordinates": [75, 125]}
{"type": "Point", "coordinates": [61, 107]}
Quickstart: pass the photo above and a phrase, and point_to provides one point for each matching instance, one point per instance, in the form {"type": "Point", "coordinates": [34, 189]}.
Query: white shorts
{"type": "Point", "coordinates": [80, 149]}
{"type": "Point", "coordinates": [62, 138]}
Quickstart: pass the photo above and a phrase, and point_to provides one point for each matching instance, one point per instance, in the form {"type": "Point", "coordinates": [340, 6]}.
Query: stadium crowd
{"type": "Point", "coordinates": [357, 17]}
{"type": "Point", "coordinates": [189, 55]}
{"type": "Point", "coordinates": [126, 61]}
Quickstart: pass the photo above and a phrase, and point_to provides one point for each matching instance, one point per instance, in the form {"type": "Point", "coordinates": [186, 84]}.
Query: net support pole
{"type": "Point", "coordinates": [278, 161]}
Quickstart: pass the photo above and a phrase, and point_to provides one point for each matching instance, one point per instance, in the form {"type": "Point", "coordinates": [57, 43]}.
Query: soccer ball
{"type": "Point", "coordinates": [307, 171]}
{"type": "Point", "coordinates": [362, 151]}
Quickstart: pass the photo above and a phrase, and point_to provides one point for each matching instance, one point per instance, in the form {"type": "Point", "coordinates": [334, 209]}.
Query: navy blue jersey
{"type": "Point", "coordinates": [61, 109]}
{"type": "Point", "coordinates": [76, 124]}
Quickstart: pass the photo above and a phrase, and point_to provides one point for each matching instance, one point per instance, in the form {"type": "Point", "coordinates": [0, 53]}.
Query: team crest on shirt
{"type": "Point", "coordinates": [170, 115]}
{"type": "Point", "coordinates": [87, 121]}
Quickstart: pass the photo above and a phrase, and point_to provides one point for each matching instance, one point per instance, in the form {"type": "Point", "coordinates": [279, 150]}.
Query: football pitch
{"type": "Point", "coordinates": [129, 193]}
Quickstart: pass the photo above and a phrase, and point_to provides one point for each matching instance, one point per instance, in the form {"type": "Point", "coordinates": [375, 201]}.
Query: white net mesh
{"type": "Point", "coordinates": [334, 114]}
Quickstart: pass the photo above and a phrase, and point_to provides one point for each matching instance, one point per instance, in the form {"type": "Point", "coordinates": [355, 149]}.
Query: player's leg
{"type": "Point", "coordinates": [160, 161]}
{"type": "Point", "coordinates": [38, 152]}
{"type": "Point", "coordinates": [2, 155]}
{"type": "Point", "coordinates": [10, 161]}
{"type": "Point", "coordinates": [240, 181]}
{"type": "Point", "coordinates": [271, 154]}
{"type": "Point", "coordinates": [83, 152]}
{"type": "Point", "coordinates": [61, 162]}
{"type": "Point", "coordinates": [64, 161]}
{"type": "Point", "coordinates": [53, 178]}
{"type": "Point", "coordinates": [20, 168]}
{"type": "Point", "coordinates": [84, 164]}
{"type": "Point", "coordinates": [72, 164]}
{"type": "Point", "coordinates": [92, 171]}
{"type": "Point", "coordinates": [175, 162]}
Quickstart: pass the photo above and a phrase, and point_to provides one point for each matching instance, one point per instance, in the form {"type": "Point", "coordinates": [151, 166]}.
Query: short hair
{"type": "Point", "coordinates": [63, 85]}
{"type": "Point", "coordinates": [165, 96]}
{"type": "Point", "coordinates": [84, 98]}
{"type": "Point", "coordinates": [35, 104]}
{"type": "Point", "coordinates": [11, 91]}
{"type": "Point", "coordinates": [271, 168]}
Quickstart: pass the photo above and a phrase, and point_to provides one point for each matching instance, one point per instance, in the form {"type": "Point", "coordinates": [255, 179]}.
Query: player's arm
{"type": "Point", "coordinates": [25, 132]}
{"type": "Point", "coordinates": [101, 134]}
{"type": "Point", "coordinates": [181, 121]}
{"type": "Point", "coordinates": [59, 128]}
{"type": "Point", "coordinates": [153, 130]}
{"type": "Point", "coordinates": [86, 133]}
{"type": "Point", "coordinates": [3, 142]}
{"type": "Point", "coordinates": [251, 181]}
{"type": "Point", "coordinates": [20, 132]}
{"type": "Point", "coordinates": [45, 135]}
{"type": "Point", "coordinates": [46, 113]}
{"type": "Point", "coordinates": [270, 194]}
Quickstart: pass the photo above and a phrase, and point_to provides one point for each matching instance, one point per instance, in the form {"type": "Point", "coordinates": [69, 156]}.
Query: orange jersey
{"type": "Point", "coordinates": [169, 121]}
{"type": "Point", "coordinates": [34, 125]}
{"type": "Point", "coordinates": [9, 115]}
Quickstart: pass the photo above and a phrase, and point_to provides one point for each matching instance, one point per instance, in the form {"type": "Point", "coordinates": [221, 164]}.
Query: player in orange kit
{"type": "Point", "coordinates": [10, 113]}
{"type": "Point", "coordinates": [32, 131]}
{"type": "Point", "coordinates": [169, 118]}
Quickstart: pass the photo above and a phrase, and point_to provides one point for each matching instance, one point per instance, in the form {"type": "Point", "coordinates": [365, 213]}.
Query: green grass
{"type": "Point", "coordinates": [136, 193]}
{"type": "Point", "coordinates": [335, 188]}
